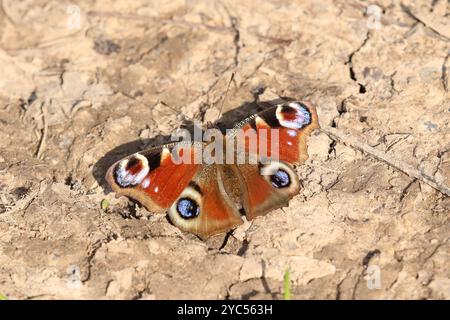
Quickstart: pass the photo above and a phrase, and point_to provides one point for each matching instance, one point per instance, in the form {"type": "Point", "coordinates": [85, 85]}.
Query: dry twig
{"type": "Point", "coordinates": [44, 133]}
{"type": "Point", "coordinates": [391, 161]}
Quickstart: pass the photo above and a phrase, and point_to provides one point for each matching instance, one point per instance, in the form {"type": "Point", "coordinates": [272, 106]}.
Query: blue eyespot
{"type": "Point", "coordinates": [188, 208]}
{"type": "Point", "coordinates": [280, 179]}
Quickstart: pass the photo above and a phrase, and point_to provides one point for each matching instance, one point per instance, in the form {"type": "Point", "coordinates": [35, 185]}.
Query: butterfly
{"type": "Point", "coordinates": [208, 198]}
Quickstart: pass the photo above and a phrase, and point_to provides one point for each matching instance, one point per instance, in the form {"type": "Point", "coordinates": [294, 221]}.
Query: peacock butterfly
{"type": "Point", "coordinates": [205, 197]}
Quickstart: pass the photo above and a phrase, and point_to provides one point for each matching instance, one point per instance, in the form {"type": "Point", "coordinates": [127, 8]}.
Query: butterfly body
{"type": "Point", "coordinates": [207, 197]}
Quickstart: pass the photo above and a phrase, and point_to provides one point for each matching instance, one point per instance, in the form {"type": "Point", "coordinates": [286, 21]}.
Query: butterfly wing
{"type": "Point", "coordinates": [204, 208]}
{"type": "Point", "coordinates": [196, 195]}
{"type": "Point", "coordinates": [266, 186]}
{"type": "Point", "coordinates": [273, 182]}
{"type": "Point", "coordinates": [152, 177]}
{"type": "Point", "coordinates": [192, 193]}
{"type": "Point", "coordinates": [285, 128]}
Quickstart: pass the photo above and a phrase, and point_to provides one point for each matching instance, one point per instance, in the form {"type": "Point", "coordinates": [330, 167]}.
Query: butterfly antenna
{"type": "Point", "coordinates": [224, 98]}
{"type": "Point", "coordinates": [162, 102]}
{"type": "Point", "coordinates": [177, 112]}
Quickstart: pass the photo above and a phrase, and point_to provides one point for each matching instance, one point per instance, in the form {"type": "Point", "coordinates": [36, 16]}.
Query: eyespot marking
{"type": "Point", "coordinates": [279, 175]}
{"type": "Point", "coordinates": [293, 115]}
{"type": "Point", "coordinates": [132, 163]}
{"type": "Point", "coordinates": [188, 208]}
{"type": "Point", "coordinates": [131, 171]}
{"type": "Point", "coordinates": [280, 179]}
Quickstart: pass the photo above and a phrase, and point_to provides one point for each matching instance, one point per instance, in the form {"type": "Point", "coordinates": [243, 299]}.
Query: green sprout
{"type": "Point", "coordinates": [3, 297]}
{"type": "Point", "coordinates": [287, 285]}
{"type": "Point", "coordinates": [104, 205]}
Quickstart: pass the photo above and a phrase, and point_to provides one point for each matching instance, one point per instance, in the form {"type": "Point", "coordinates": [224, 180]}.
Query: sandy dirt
{"type": "Point", "coordinates": [85, 84]}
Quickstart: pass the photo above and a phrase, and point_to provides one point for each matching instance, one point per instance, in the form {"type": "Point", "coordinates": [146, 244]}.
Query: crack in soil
{"type": "Point", "coordinates": [349, 62]}
{"type": "Point", "coordinates": [234, 22]}
{"type": "Point", "coordinates": [338, 287]}
{"type": "Point", "coordinates": [444, 72]}
{"type": "Point", "coordinates": [236, 39]}
{"type": "Point", "coordinates": [405, 191]}
{"type": "Point", "coordinates": [91, 255]}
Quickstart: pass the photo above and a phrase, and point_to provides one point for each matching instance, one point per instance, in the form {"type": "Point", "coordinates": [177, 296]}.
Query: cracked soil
{"type": "Point", "coordinates": [78, 94]}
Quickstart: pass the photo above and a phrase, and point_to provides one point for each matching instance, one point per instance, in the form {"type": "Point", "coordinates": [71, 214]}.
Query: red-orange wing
{"type": "Point", "coordinates": [193, 194]}
{"type": "Point", "coordinates": [282, 133]}
{"type": "Point", "coordinates": [284, 128]}
{"type": "Point", "coordinates": [153, 177]}
{"type": "Point", "coordinates": [204, 208]}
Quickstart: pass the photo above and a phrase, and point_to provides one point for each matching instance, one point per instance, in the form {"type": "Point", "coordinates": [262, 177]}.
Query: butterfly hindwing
{"type": "Point", "coordinates": [266, 186]}
{"type": "Point", "coordinates": [204, 208]}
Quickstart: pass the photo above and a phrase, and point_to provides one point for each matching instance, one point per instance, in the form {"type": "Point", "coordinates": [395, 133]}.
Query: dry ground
{"type": "Point", "coordinates": [75, 95]}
